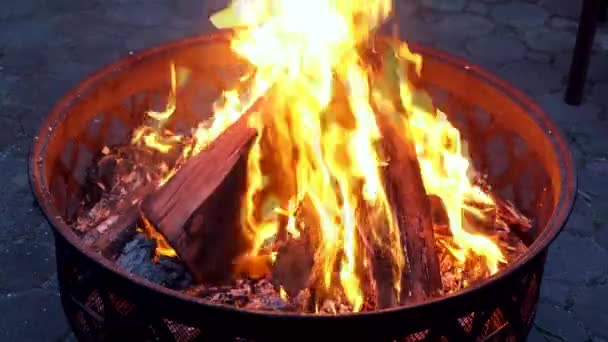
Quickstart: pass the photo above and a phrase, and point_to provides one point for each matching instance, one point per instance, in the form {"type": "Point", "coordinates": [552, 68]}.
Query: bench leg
{"type": "Point", "coordinates": [582, 52]}
{"type": "Point", "coordinates": [603, 13]}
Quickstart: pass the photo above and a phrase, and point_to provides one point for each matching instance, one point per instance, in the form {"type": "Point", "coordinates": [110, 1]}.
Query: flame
{"type": "Point", "coordinates": [445, 169]}
{"type": "Point", "coordinates": [155, 135]}
{"type": "Point", "coordinates": [314, 171]}
{"type": "Point", "coordinates": [326, 161]}
{"type": "Point", "coordinates": [162, 246]}
{"type": "Point", "coordinates": [283, 294]}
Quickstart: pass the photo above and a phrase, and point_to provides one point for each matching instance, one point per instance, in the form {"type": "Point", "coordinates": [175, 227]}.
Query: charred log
{"type": "Point", "coordinates": [196, 209]}
{"type": "Point", "coordinates": [114, 231]}
{"type": "Point", "coordinates": [411, 207]}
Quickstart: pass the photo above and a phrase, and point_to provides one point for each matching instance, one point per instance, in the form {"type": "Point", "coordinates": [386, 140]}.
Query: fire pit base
{"type": "Point", "coordinates": [511, 140]}
{"type": "Point", "coordinates": [101, 306]}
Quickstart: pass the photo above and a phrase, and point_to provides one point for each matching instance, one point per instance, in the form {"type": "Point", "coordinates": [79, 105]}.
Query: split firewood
{"type": "Point", "coordinates": [174, 203]}
{"type": "Point", "coordinates": [113, 233]}
{"type": "Point", "coordinates": [377, 275]}
{"type": "Point", "coordinates": [197, 210]}
{"type": "Point", "coordinates": [500, 216]}
{"type": "Point", "coordinates": [293, 266]}
{"type": "Point", "coordinates": [439, 213]}
{"type": "Point", "coordinates": [384, 284]}
{"type": "Point", "coordinates": [117, 229]}
{"type": "Point", "coordinates": [507, 213]}
{"type": "Point", "coordinates": [421, 278]}
{"type": "Point", "coordinates": [292, 269]}
{"type": "Point", "coordinates": [409, 201]}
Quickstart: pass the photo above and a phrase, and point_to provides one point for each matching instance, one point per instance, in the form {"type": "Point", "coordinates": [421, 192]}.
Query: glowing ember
{"type": "Point", "coordinates": [315, 165]}
{"type": "Point", "coordinates": [163, 247]}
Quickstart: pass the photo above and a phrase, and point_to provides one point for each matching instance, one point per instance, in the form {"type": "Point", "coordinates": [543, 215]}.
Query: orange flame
{"type": "Point", "coordinates": [155, 136]}
{"type": "Point", "coordinates": [314, 167]}
{"type": "Point", "coordinates": [326, 154]}
{"type": "Point", "coordinates": [445, 169]}
{"type": "Point", "coordinates": [162, 246]}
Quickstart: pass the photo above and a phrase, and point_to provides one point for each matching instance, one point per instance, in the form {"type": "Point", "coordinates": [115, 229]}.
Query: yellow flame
{"type": "Point", "coordinates": [314, 166]}
{"type": "Point", "coordinates": [445, 170]}
{"type": "Point", "coordinates": [304, 50]}
{"type": "Point", "coordinates": [155, 136]}
{"type": "Point", "coordinates": [162, 246]}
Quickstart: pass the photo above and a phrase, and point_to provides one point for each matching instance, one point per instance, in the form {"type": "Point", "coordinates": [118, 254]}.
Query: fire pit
{"type": "Point", "coordinates": [510, 140]}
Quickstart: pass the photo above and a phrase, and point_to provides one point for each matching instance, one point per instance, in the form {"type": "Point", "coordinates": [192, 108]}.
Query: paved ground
{"type": "Point", "coordinates": [47, 46]}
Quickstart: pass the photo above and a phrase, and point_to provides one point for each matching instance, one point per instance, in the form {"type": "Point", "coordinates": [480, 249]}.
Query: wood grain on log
{"type": "Point", "coordinates": [198, 209]}
{"type": "Point", "coordinates": [410, 204]}
{"type": "Point", "coordinates": [110, 235]}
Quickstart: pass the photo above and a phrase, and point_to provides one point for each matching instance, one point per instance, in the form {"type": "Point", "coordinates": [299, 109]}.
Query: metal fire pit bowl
{"type": "Point", "coordinates": [510, 138]}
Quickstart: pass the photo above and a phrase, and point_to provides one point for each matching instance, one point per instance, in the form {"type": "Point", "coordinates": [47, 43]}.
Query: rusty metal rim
{"type": "Point", "coordinates": [551, 231]}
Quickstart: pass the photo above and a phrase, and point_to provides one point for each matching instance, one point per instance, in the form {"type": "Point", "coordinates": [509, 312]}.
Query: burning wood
{"type": "Point", "coordinates": [194, 210]}
{"type": "Point", "coordinates": [413, 212]}
{"type": "Point", "coordinates": [328, 205]}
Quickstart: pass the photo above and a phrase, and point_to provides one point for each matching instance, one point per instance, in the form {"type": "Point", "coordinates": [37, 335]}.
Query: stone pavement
{"type": "Point", "coordinates": [47, 46]}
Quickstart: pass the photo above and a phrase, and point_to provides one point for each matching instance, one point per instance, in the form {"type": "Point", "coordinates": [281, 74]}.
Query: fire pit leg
{"type": "Point", "coordinates": [582, 51]}
{"type": "Point", "coordinates": [603, 14]}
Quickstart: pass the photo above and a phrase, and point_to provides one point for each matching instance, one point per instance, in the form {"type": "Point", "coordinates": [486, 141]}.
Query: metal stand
{"type": "Point", "coordinates": [582, 51]}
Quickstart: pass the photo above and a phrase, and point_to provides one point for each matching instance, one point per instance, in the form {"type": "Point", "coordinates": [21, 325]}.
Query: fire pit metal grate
{"type": "Point", "coordinates": [510, 139]}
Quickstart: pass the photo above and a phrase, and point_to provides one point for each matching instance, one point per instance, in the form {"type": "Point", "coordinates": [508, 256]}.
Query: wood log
{"type": "Point", "coordinates": [385, 292]}
{"type": "Point", "coordinates": [293, 266]}
{"type": "Point", "coordinates": [410, 204]}
{"type": "Point", "coordinates": [516, 221]}
{"type": "Point", "coordinates": [110, 235]}
{"type": "Point", "coordinates": [377, 275]}
{"type": "Point", "coordinates": [198, 209]}
{"type": "Point", "coordinates": [113, 233]}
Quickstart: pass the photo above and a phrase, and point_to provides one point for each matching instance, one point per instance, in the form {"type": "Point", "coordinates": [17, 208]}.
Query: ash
{"type": "Point", "coordinates": [247, 293]}
{"type": "Point", "coordinates": [262, 295]}
{"type": "Point", "coordinates": [137, 257]}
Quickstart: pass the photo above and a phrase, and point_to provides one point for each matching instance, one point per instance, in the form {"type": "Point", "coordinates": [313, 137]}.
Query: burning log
{"type": "Point", "coordinates": [111, 234]}
{"type": "Point", "coordinates": [293, 266]}
{"type": "Point", "coordinates": [411, 206]}
{"type": "Point", "coordinates": [379, 275]}
{"type": "Point", "coordinates": [508, 214]}
{"type": "Point", "coordinates": [385, 294]}
{"type": "Point", "coordinates": [292, 269]}
{"type": "Point", "coordinates": [195, 210]}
